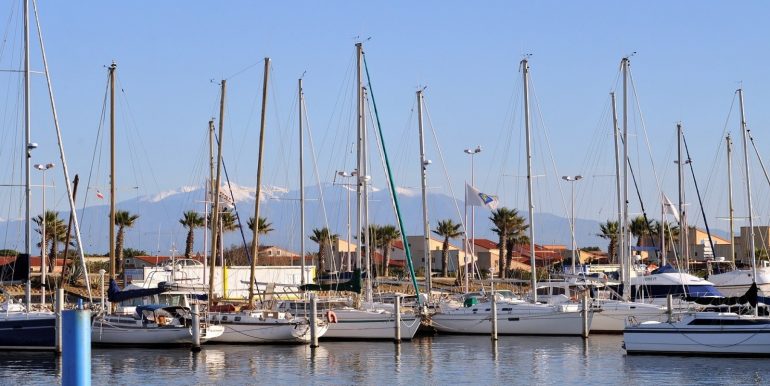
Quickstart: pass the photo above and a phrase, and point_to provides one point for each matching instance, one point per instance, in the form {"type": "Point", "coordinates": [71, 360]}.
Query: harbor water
{"type": "Point", "coordinates": [440, 360]}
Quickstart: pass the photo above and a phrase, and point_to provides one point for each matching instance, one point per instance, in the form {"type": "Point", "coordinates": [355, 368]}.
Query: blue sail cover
{"type": "Point", "coordinates": [115, 295]}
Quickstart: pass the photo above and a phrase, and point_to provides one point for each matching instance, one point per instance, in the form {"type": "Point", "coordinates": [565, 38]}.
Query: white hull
{"type": "Point", "coordinates": [614, 315]}
{"type": "Point", "coordinates": [736, 283]}
{"type": "Point", "coordinates": [107, 332]}
{"type": "Point", "coordinates": [371, 324]}
{"type": "Point", "coordinates": [706, 333]}
{"type": "Point", "coordinates": [259, 328]}
{"type": "Point", "coordinates": [513, 318]}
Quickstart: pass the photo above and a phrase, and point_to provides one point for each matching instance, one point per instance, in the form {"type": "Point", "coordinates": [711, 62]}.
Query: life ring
{"type": "Point", "coordinates": [331, 317]}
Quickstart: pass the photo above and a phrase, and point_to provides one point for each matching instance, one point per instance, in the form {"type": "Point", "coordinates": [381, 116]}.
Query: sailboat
{"type": "Point", "coordinates": [709, 333]}
{"type": "Point", "coordinates": [514, 316]}
{"type": "Point", "coordinates": [252, 324]}
{"type": "Point", "coordinates": [370, 319]}
{"type": "Point", "coordinates": [21, 328]}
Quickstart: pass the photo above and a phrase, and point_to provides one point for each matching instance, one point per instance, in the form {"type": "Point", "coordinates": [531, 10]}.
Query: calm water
{"type": "Point", "coordinates": [440, 360]}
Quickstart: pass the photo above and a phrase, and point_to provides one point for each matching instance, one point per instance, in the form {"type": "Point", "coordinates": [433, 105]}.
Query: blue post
{"type": "Point", "coordinates": [76, 350]}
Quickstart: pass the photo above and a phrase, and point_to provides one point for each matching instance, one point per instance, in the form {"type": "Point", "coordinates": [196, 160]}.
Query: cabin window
{"type": "Point", "coordinates": [237, 318]}
{"type": "Point", "coordinates": [507, 309]}
{"type": "Point", "coordinates": [224, 318]}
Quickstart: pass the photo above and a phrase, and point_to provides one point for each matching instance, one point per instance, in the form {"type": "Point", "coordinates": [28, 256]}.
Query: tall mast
{"type": "Point", "coordinates": [730, 195]}
{"type": "Point", "coordinates": [423, 186]}
{"type": "Point", "coordinates": [368, 238]}
{"type": "Point", "coordinates": [208, 198]}
{"type": "Point", "coordinates": [359, 148]}
{"type": "Point", "coordinates": [112, 68]}
{"type": "Point", "coordinates": [533, 276]}
{"type": "Point", "coordinates": [28, 146]}
{"type": "Point", "coordinates": [752, 246]}
{"type": "Point", "coordinates": [620, 240]}
{"type": "Point", "coordinates": [626, 274]}
{"type": "Point", "coordinates": [255, 233]}
{"type": "Point", "coordinates": [215, 192]}
{"type": "Point", "coordinates": [301, 188]}
{"type": "Point", "coordinates": [682, 218]}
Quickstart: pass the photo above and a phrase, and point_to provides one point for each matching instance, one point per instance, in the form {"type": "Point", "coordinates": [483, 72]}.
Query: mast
{"type": "Point", "coordinates": [301, 188]}
{"type": "Point", "coordinates": [367, 236]}
{"type": "Point", "coordinates": [752, 246]}
{"type": "Point", "coordinates": [255, 234]}
{"type": "Point", "coordinates": [682, 218]}
{"type": "Point", "coordinates": [208, 198]}
{"type": "Point", "coordinates": [626, 274]}
{"type": "Point", "coordinates": [730, 195]}
{"type": "Point", "coordinates": [423, 186]}
{"type": "Point", "coordinates": [619, 247]}
{"type": "Point", "coordinates": [533, 276]}
{"type": "Point", "coordinates": [215, 192]}
{"type": "Point", "coordinates": [113, 268]}
{"type": "Point", "coordinates": [359, 148]}
{"type": "Point", "coordinates": [28, 146]}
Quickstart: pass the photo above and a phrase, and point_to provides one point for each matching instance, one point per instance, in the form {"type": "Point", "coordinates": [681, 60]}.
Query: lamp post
{"type": "Point", "coordinates": [43, 257]}
{"type": "Point", "coordinates": [572, 216]}
{"type": "Point", "coordinates": [345, 174]}
{"type": "Point", "coordinates": [472, 153]}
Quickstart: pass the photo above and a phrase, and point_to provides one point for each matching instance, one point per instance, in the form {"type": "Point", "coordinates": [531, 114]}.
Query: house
{"type": "Point", "coordinates": [456, 255]}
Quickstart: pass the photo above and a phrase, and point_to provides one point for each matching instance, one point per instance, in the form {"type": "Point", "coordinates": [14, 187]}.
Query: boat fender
{"type": "Point", "coordinates": [331, 317]}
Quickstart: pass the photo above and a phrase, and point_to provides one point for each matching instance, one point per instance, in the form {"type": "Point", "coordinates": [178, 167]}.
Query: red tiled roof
{"type": "Point", "coordinates": [485, 243]}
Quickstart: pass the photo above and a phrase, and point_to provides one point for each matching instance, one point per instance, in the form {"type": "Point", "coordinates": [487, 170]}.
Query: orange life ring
{"type": "Point", "coordinates": [331, 317]}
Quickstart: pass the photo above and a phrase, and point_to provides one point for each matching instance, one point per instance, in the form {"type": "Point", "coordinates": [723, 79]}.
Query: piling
{"type": "Point", "coordinates": [397, 312]}
{"type": "Point", "coordinates": [196, 328]}
{"type": "Point", "coordinates": [494, 316]}
{"type": "Point", "coordinates": [58, 311]}
{"type": "Point", "coordinates": [670, 307]}
{"type": "Point", "coordinates": [76, 347]}
{"type": "Point", "coordinates": [313, 317]}
{"type": "Point", "coordinates": [586, 310]}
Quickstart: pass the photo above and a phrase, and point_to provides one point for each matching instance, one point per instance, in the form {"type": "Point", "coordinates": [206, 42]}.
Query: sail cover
{"type": "Point", "coordinates": [352, 285]}
{"type": "Point", "coordinates": [115, 295]}
{"type": "Point", "coordinates": [749, 297]}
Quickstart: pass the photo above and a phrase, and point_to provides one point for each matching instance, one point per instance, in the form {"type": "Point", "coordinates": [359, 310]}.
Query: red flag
{"type": "Point", "coordinates": [99, 194]}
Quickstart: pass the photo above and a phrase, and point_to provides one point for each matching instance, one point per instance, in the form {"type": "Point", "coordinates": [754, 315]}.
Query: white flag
{"type": "Point", "coordinates": [668, 207]}
{"type": "Point", "coordinates": [473, 197]}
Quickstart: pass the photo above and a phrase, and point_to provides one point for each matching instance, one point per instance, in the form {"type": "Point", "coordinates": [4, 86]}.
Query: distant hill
{"type": "Point", "coordinates": [158, 225]}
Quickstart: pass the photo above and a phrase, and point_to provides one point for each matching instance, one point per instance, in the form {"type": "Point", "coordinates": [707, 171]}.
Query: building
{"type": "Point", "coordinates": [435, 247]}
{"type": "Point", "coordinates": [742, 249]}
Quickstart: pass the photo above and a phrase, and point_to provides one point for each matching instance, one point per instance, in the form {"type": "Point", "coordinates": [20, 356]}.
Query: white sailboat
{"type": "Point", "coordinates": [515, 316]}
{"type": "Point", "coordinates": [709, 333]}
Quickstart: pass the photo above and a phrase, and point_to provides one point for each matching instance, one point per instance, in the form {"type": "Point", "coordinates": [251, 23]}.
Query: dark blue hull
{"type": "Point", "coordinates": [27, 333]}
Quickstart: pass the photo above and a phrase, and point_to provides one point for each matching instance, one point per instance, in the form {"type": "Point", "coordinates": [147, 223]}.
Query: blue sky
{"type": "Point", "coordinates": [690, 58]}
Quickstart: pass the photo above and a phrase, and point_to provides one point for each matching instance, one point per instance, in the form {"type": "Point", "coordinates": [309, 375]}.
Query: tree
{"type": "Point", "coordinates": [448, 230]}
{"type": "Point", "coordinates": [386, 236]}
{"type": "Point", "coordinates": [123, 220]}
{"type": "Point", "coordinates": [227, 223]}
{"type": "Point", "coordinates": [324, 238]}
{"type": "Point", "coordinates": [55, 233]}
{"type": "Point", "coordinates": [263, 228]}
{"type": "Point", "coordinates": [508, 225]}
{"type": "Point", "coordinates": [640, 228]}
{"type": "Point", "coordinates": [609, 231]}
{"type": "Point", "coordinates": [191, 220]}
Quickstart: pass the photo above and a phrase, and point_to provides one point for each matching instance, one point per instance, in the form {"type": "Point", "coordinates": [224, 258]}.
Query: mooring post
{"type": "Point", "coordinates": [58, 311]}
{"type": "Point", "coordinates": [313, 325]}
{"type": "Point", "coordinates": [494, 315]}
{"type": "Point", "coordinates": [670, 307]}
{"type": "Point", "coordinates": [196, 328]}
{"type": "Point", "coordinates": [76, 347]}
{"type": "Point", "coordinates": [585, 314]}
{"type": "Point", "coordinates": [397, 310]}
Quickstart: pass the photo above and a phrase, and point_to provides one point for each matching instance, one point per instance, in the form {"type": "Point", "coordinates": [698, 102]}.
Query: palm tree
{"type": "Point", "coordinates": [55, 233]}
{"type": "Point", "coordinates": [263, 228]}
{"type": "Point", "coordinates": [191, 220]}
{"type": "Point", "coordinates": [374, 242]}
{"type": "Point", "coordinates": [227, 223]}
{"type": "Point", "coordinates": [448, 230]}
{"type": "Point", "coordinates": [670, 232]}
{"type": "Point", "coordinates": [508, 225]}
{"type": "Point", "coordinates": [386, 236]}
{"type": "Point", "coordinates": [609, 231]}
{"type": "Point", "coordinates": [640, 228]}
{"type": "Point", "coordinates": [123, 220]}
{"type": "Point", "coordinates": [324, 238]}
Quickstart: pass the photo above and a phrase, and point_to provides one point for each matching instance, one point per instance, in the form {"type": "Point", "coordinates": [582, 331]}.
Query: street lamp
{"type": "Point", "coordinates": [472, 153]}
{"type": "Point", "coordinates": [43, 258]}
{"type": "Point", "coordinates": [345, 174]}
{"type": "Point", "coordinates": [572, 219]}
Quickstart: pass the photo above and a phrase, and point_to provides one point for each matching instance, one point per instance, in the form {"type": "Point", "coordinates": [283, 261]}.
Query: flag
{"type": "Point", "coordinates": [99, 194]}
{"type": "Point", "coordinates": [668, 207]}
{"type": "Point", "coordinates": [473, 197]}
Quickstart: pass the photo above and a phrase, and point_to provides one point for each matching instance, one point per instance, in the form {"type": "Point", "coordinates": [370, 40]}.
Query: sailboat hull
{"type": "Point", "coordinates": [257, 328]}
{"type": "Point", "coordinates": [614, 315]}
{"type": "Point", "coordinates": [27, 331]}
{"type": "Point", "coordinates": [512, 319]}
{"type": "Point", "coordinates": [353, 324]}
{"type": "Point", "coordinates": [701, 334]}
